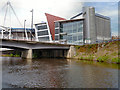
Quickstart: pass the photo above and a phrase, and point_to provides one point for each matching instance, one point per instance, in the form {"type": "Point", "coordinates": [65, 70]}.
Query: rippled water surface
{"type": "Point", "coordinates": [57, 73]}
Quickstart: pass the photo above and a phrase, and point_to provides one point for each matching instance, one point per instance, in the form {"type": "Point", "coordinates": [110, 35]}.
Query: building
{"type": "Point", "coordinates": [17, 33]}
{"type": "Point", "coordinates": [70, 31]}
{"type": "Point", "coordinates": [45, 31]}
{"type": "Point", "coordinates": [23, 33]}
{"type": "Point", "coordinates": [85, 28]}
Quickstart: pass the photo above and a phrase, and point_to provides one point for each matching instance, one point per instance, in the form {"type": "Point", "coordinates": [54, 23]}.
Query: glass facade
{"type": "Point", "coordinates": [74, 32]}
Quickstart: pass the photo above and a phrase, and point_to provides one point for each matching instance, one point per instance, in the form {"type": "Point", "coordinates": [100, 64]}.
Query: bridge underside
{"type": "Point", "coordinates": [50, 53]}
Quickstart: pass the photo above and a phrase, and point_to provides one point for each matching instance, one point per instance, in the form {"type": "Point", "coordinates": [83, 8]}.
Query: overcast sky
{"type": "Point", "coordinates": [62, 8]}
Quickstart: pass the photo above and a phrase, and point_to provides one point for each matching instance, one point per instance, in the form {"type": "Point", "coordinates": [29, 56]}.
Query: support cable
{"type": "Point", "coordinates": [5, 16]}
{"type": "Point", "coordinates": [3, 7]}
{"type": "Point", "coordinates": [76, 15]}
{"type": "Point", "coordinates": [15, 15]}
{"type": "Point", "coordinates": [10, 24]}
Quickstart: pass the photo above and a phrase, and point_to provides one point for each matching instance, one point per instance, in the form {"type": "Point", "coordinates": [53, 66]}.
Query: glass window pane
{"type": "Point", "coordinates": [74, 38]}
{"type": "Point", "coordinates": [42, 27]}
{"type": "Point", "coordinates": [56, 37]}
{"type": "Point", "coordinates": [56, 31]}
{"type": "Point", "coordinates": [56, 24]}
{"type": "Point", "coordinates": [43, 38]}
{"type": "Point", "coordinates": [43, 33]}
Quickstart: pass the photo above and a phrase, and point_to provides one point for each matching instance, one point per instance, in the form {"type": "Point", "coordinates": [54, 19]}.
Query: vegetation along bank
{"type": "Point", "coordinates": [103, 52]}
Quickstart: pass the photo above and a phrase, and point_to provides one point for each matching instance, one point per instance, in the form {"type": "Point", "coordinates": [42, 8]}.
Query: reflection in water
{"type": "Point", "coordinates": [57, 73]}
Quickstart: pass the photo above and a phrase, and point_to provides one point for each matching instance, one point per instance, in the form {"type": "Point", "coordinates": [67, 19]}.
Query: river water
{"type": "Point", "coordinates": [57, 73]}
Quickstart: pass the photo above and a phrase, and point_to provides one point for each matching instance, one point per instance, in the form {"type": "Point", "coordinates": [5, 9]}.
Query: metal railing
{"type": "Point", "coordinates": [18, 38]}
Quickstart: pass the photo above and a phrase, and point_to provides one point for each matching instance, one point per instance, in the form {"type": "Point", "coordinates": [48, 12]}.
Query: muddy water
{"type": "Point", "coordinates": [57, 73]}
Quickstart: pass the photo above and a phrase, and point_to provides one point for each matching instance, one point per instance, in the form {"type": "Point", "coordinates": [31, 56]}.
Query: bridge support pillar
{"type": "Point", "coordinates": [71, 52]}
{"type": "Point", "coordinates": [27, 54]}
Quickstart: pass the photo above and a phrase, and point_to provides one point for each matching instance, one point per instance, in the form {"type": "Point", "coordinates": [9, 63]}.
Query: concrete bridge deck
{"type": "Point", "coordinates": [29, 46]}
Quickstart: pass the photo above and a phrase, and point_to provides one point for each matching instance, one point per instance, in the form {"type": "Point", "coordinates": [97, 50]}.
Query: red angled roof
{"type": "Point", "coordinates": [51, 24]}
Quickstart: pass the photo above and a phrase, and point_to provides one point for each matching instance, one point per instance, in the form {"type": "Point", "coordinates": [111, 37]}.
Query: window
{"type": "Point", "coordinates": [74, 38]}
{"type": "Point", "coordinates": [56, 24]}
{"type": "Point", "coordinates": [43, 38]}
{"type": "Point", "coordinates": [61, 37]}
{"type": "Point", "coordinates": [65, 37]}
{"type": "Point", "coordinates": [69, 37]}
{"type": "Point", "coordinates": [80, 29]}
{"type": "Point", "coordinates": [56, 31]}
{"type": "Point", "coordinates": [56, 37]}
{"type": "Point", "coordinates": [61, 30]}
{"type": "Point", "coordinates": [43, 33]}
{"type": "Point", "coordinates": [42, 27]}
{"type": "Point", "coordinates": [73, 30]}
{"type": "Point", "coordinates": [80, 37]}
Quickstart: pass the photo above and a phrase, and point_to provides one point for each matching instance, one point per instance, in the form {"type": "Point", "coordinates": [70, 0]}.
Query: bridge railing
{"type": "Point", "coordinates": [18, 38]}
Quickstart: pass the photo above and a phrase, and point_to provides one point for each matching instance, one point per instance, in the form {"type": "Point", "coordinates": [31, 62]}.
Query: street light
{"type": "Point", "coordinates": [31, 24]}
{"type": "Point", "coordinates": [24, 29]}
{"type": "Point", "coordinates": [25, 32]}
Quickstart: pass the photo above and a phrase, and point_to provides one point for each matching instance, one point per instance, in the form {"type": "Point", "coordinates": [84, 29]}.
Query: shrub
{"type": "Point", "coordinates": [90, 57]}
{"type": "Point", "coordinates": [11, 55]}
{"type": "Point", "coordinates": [103, 58]}
{"type": "Point", "coordinates": [114, 53]}
{"type": "Point", "coordinates": [116, 60]}
{"type": "Point", "coordinates": [118, 52]}
{"type": "Point", "coordinates": [77, 47]}
{"type": "Point", "coordinates": [80, 58]}
{"type": "Point", "coordinates": [35, 55]}
{"type": "Point", "coordinates": [16, 55]}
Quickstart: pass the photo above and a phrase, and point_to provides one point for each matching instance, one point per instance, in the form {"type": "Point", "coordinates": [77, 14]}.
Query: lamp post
{"type": "Point", "coordinates": [31, 24]}
{"type": "Point", "coordinates": [24, 29]}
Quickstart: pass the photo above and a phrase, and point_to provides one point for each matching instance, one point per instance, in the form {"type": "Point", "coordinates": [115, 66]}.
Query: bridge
{"type": "Point", "coordinates": [43, 49]}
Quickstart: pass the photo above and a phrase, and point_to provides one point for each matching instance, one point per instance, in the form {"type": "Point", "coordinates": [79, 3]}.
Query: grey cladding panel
{"type": "Point", "coordinates": [103, 28]}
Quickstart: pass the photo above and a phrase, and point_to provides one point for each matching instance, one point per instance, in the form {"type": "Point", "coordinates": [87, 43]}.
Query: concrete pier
{"type": "Point", "coordinates": [27, 54]}
{"type": "Point", "coordinates": [71, 52]}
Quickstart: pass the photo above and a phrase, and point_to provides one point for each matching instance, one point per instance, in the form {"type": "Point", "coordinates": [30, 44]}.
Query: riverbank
{"type": "Point", "coordinates": [10, 55]}
{"type": "Point", "coordinates": [103, 52]}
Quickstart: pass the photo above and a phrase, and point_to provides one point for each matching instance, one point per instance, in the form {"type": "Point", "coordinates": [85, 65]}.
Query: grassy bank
{"type": "Point", "coordinates": [10, 55]}
{"type": "Point", "coordinates": [104, 52]}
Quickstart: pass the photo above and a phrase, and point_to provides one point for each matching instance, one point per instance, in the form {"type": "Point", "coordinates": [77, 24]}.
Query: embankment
{"type": "Point", "coordinates": [103, 52]}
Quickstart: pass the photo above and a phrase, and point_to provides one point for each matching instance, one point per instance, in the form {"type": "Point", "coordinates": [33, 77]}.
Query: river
{"type": "Point", "coordinates": [57, 73]}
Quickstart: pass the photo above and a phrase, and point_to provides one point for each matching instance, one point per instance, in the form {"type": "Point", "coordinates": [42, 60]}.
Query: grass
{"type": "Point", "coordinates": [80, 58]}
{"type": "Point", "coordinates": [90, 57]}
